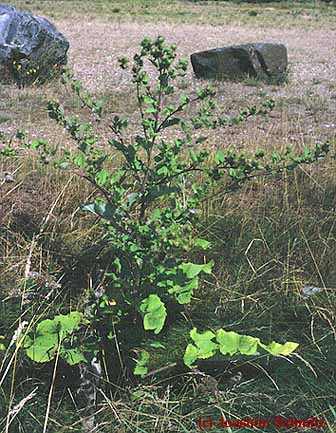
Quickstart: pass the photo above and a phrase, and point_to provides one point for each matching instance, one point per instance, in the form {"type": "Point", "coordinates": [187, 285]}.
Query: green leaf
{"type": "Point", "coordinates": [156, 191]}
{"type": "Point", "coordinates": [280, 349]}
{"type": "Point", "coordinates": [154, 311]}
{"type": "Point", "coordinates": [193, 156]}
{"type": "Point", "coordinates": [156, 214]}
{"type": "Point", "coordinates": [248, 345]}
{"type": "Point", "coordinates": [51, 333]}
{"type": "Point", "coordinates": [80, 160]}
{"type": "Point", "coordinates": [231, 343]}
{"type": "Point", "coordinates": [202, 243]}
{"type": "Point", "coordinates": [185, 128]}
{"type": "Point", "coordinates": [47, 326]}
{"type": "Point", "coordinates": [2, 346]}
{"type": "Point", "coordinates": [157, 345]}
{"type": "Point", "coordinates": [70, 322]}
{"type": "Point", "coordinates": [42, 348]}
{"type": "Point", "coordinates": [149, 100]}
{"type": "Point", "coordinates": [73, 356]}
{"type": "Point", "coordinates": [139, 394]}
{"type": "Point", "coordinates": [184, 99]}
{"type": "Point", "coordinates": [183, 293]}
{"type": "Point", "coordinates": [119, 146]}
{"type": "Point", "coordinates": [102, 209]}
{"type": "Point", "coordinates": [203, 342]}
{"type": "Point", "coordinates": [102, 177]}
{"type": "Point", "coordinates": [191, 270]}
{"type": "Point", "coordinates": [207, 335]}
{"type": "Point", "coordinates": [141, 366]}
{"type": "Point", "coordinates": [163, 171]}
{"type": "Point", "coordinates": [150, 110]}
{"type": "Point", "coordinates": [190, 355]}
{"type": "Point", "coordinates": [228, 342]}
{"type": "Point", "coordinates": [220, 157]}
{"type": "Point", "coordinates": [170, 122]}
{"type": "Point", "coordinates": [37, 143]}
{"type": "Point", "coordinates": [200, 140]}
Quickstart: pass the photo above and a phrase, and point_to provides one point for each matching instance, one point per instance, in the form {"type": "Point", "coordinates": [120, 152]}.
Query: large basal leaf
{"type": "Point", "coordinates": [248, 345]}
{"type": "Point", "coordinates": [42, 348]}
{"type": "Point", "coordinates": [48, 326]}
{"type": "Point", "coordinates": [228, 342]}
{"type": "Point", "coordinates": [50, 334]}
{"type": "Point", "coordinates": [191, 270]}
{"type": "Point", "coordinates": [155, 314]}
{"type": "Point", "coordinates": [203, 343]}
{"type": "Point", "coordinates": [280, 349]}
{"type": "Point", "coordinates": [70, 322]}
{"type": "Point", "coordinates": [231, 343]}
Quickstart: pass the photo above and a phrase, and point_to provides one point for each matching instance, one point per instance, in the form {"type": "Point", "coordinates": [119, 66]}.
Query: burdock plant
{"type": "Point", "coordinates": [149, 190]}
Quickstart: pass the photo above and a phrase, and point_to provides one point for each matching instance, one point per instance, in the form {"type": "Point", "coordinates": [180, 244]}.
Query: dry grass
{"type": "Point", "coordinates": [270, 240]}
{"type": "Point", "coordinates": [290, 14]}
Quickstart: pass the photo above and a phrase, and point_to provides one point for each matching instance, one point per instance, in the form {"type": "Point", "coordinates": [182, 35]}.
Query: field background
{"type": "Point", "coordinates": [270, 240]}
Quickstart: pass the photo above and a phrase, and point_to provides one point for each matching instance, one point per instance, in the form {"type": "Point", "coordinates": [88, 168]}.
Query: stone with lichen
{"type": "Point", "coordinates": [31, 48]}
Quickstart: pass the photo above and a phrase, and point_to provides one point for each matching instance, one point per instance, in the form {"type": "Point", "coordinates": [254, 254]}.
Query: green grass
{"type": "Point", "coordinates": [286, 14]}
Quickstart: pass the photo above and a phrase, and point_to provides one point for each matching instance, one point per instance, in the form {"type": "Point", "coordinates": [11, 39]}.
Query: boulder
{"type": "Point", "coordinates": [260, 60]}
{"type": "Point", "coordinates": [31, 48]}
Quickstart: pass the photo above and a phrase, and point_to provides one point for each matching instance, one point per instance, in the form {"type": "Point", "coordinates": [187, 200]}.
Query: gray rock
{"type": "Point", "coordinates": [31, 48]}
{"type": "Point", "coordinates": [260, 60]}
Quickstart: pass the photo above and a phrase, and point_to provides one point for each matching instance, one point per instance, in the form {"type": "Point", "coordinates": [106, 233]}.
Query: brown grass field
{"type": "Point", "coordinates": [305, 106]}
